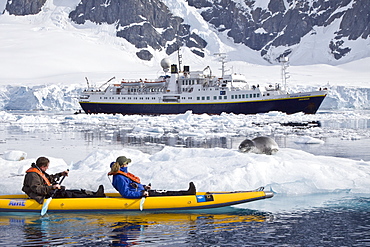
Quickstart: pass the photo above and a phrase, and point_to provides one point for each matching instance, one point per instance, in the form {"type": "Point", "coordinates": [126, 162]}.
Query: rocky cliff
{"type": "Point", "coordinates": [146, 24]}
{"type": "Point", "coordinates": [284, 23]}
{"type": "Point", "coordinates": [24, 7]}
{"type": "Point", "coordinates": [273, 28]}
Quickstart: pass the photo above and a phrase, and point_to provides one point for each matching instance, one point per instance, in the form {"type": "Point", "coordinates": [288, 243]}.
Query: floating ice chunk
{"type": "Point", "coordinates": [308, 140]}
{"type": "Point", "coordinates": [15, 155]}
{"type": "Point", "coordinates": [352, 137]}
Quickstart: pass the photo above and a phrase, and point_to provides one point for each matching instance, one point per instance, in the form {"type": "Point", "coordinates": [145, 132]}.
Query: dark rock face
{"type": "Point", "coordinates": [143, 23]}
{"type": "Point", "coordinates": [285, 24]}
{"type": "Point", "coordinates": [275, 23]}
{"type": "Point", "coordinates": [144, 55]}
{"type": "Point", "coordinates": [24, 7]}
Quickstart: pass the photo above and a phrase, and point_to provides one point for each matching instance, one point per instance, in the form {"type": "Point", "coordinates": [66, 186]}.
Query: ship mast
{"type": "Point", "coordinates": [179, 58]}
{"type": "Point", "coordinates": [284, 73]}
{"type": "Point", "coordinates": [222, 59]}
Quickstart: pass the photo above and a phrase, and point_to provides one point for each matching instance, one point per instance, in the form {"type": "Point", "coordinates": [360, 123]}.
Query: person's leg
{"type": "Point", "coordinates": [190, 191]}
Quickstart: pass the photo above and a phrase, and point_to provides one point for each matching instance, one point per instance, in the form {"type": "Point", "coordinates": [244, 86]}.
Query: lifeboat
{"type": "Point", "coordinates": [131, 83]}
{"type": "Point", "coordinates": [154, 83]}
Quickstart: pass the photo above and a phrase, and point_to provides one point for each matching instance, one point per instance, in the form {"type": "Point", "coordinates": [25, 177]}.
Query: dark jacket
{"type": "Point", "coordinates": [126, 187]}
{"type": "Point", "coordinates": [35, 186]}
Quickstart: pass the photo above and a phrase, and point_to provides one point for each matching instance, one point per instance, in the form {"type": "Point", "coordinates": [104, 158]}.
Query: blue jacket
{"type": "Point", "coordinates": [126, 187]}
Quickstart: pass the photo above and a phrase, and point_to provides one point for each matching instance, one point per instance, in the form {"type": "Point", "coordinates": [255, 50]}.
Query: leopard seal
{"type": "Point", "coordinates": [259, 145]}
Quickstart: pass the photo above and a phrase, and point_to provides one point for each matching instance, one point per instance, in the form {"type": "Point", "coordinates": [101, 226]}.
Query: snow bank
{"type": "Point", "coordinates": [290, 172]}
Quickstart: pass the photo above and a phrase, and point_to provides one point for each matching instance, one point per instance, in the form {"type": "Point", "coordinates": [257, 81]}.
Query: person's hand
{"type": "Point", "coordinates": [65, 173]}
{"type": "Point", "coordinates": [56, 186]}
{"type": "Point", "coordinates": [146, 193]}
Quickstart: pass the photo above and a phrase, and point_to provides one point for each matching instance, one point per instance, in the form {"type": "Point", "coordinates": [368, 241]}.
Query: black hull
{"type": "Point", "coordinates": [308, 105]}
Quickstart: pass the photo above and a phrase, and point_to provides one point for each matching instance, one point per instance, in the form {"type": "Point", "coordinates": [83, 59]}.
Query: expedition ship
{"type": "Point", "coordinates": [199, 92]}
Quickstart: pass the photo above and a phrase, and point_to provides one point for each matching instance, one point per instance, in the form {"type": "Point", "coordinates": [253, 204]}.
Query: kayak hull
{"type": "Point", "coordinates": [114, 202]}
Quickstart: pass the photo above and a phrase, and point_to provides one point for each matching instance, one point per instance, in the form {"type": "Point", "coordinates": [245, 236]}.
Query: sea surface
{"type": "Point", "coordinates": [345, 222]}
{"type": "Point", "coordinates": [342, 219]}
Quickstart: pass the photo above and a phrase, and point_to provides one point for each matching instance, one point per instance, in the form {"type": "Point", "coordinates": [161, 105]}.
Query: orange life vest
{"type": "Point", "coordinates": [33, 169]}
{"type": "Point", "coordinates": [128, 175]}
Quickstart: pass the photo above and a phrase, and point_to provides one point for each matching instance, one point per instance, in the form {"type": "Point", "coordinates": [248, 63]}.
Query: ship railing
{"type": "Point", "coordinates": [93, 91]}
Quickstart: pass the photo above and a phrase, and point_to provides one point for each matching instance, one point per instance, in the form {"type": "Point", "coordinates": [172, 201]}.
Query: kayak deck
{"type": "Point", "coordinates": [115, 202]}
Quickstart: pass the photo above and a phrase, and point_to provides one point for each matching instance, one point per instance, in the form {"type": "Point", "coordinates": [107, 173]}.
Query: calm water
{"type": "Point", "coordinates": [74, 142]}
{"type": "Point", "coordinates": [301, 221]}
{"type": "Point", "coordinates": [342, 223]}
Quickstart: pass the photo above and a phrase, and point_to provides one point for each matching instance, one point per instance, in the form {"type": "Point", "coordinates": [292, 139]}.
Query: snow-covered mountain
{"type": "Point", "coordinates": [306, 31]}
{"type": "Point", "coordinates": [48, 47]}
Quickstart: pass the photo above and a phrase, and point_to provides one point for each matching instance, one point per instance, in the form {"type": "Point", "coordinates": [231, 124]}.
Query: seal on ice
{"type": "Point", "coordinates": [259, 145]}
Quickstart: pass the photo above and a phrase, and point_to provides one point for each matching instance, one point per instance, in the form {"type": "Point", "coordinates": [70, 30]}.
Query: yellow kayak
{"type": "Point", "coordinates": [115, 202]}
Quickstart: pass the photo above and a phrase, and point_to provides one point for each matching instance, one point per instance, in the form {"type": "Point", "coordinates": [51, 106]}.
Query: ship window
{"type": "Point", "coordinates": [251, 96]}
{"type": "Point", "coordinates": [215, 97]}
{"type": "Point", "coordinates": [225, 97]}
{"type": "Point", "coordinates": [219, 97]}
{"type": "Point", "coordinates": [243, 96]}
{"type": "Point", "coordinates": [198, 98]}
{"type": "Point", "coordinates": [246, 96]}
{"type": "Point", "coordinates": [258, 95]}
{"type": "Point", "coordinates": [105, 98]}
{"type": "Point", "coordinates": [254, 95]}
{"type": "Point", "coordinates": [240, 96]}
{"type": "Point", "coordinates": [208, 98]}
{"type": "Point", "coordinates": [232, 96]}
{"type": "Point", "coordinates": [190, 97]}
{"type": "Point", "coordinates": [203, 98]}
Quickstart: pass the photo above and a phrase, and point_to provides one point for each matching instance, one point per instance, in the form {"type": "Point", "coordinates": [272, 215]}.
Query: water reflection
{"type": "Point", "coordinates": [343, 138]}
{"type": "Point", "coordinates": [120, 229]}
{"type": "Point", "coordinates": [341, 222]}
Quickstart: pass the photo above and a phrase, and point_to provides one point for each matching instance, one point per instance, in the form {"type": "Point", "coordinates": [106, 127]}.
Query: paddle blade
{"type": "Point", "coordinates": [142, 203]}
{"type": "Point", "coordinates": [45, 206]}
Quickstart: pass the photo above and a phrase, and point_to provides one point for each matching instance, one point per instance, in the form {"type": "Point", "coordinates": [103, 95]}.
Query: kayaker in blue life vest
{"type": "Point", "coordinates": [129, 185]}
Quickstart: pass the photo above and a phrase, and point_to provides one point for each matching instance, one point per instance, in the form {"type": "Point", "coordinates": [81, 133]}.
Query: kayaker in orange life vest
{"type": "Point", "coordinates": [39, 185]}
{"type": "Point", "coordinates": [129, 185]}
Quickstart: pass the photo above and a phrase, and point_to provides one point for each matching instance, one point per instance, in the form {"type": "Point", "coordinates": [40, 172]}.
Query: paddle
{"type": "Point", "coordinates": [142, 201]}
{"type": "Point", "coordinates": [45, 206]}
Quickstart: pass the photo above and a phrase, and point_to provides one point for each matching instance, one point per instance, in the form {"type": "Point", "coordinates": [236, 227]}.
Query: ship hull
{"type": "Point", "coordinates": [307, 105]}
